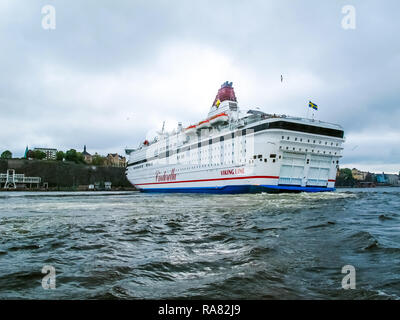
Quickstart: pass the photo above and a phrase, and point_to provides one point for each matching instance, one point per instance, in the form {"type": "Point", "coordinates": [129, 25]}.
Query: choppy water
{"type": "Point", "coordinates": [261, 246]}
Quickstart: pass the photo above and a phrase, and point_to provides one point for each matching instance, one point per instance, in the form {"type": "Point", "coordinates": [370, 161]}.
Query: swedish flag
{"type": "Point", "coordinates": [312, 105]}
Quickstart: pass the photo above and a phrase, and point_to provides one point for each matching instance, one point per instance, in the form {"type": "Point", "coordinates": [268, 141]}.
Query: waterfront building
{"type": "Point", "coordinates": [381, 178]}
{"type": "Point", "coordinates": [50, 153]}
{"type": "Point", "coordinates": [12, 180]}
{"type": "Point", "coordinates": [392, 179]}
{"type": "Point", "coordinates": [86, 155]}
{"type": "Point", "coordinates": [359, 175]}
{"type": "Point", "coordinates": [115, 160]}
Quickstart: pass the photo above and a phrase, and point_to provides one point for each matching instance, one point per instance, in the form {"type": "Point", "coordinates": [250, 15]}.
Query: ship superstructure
{"type": "Point", "coordinates": [231, 151]}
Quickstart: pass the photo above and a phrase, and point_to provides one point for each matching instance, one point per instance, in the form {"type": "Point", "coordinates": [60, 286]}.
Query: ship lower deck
{"type": "Point", "coordinates": [238, 189]}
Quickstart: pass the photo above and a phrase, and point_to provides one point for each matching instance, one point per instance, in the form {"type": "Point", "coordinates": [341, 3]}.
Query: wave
{"type": "Point", "coordinates": [385, 217]}
{"type": "Point", "coordinates": [321, 225]}
{"type": "Point", "coordinates": [363, 240]}
{"type": "Point", "coordinates": [25, 247]}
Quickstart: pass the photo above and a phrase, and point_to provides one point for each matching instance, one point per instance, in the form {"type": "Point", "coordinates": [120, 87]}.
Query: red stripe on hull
{"type": "Point", "coordinates": [205, 180]}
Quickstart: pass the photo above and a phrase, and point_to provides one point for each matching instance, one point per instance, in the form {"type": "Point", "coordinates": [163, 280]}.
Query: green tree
{"type": "Point", "coordinates": [39, 155]}
{"type": "Point", "coordinates": [345, 178]}
{"type": "Point", "coordinates": [98, 160]}
{"type": "Point", "coordinates": [73, 156]}
{"type": "Point", "coordinates": [6, 155]}
{"type": "Point", "coordinates": [60, 156]}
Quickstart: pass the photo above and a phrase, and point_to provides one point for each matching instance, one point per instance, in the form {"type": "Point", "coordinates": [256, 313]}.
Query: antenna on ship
{"type": "Point", "coordinates": [161, 133]}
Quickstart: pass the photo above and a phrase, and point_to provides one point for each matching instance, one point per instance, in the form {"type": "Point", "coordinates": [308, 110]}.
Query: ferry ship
{"type": "Point", "coordinates": [234, 151]}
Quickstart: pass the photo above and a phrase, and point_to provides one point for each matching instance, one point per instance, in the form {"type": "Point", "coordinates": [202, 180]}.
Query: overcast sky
{"type": "Point", "coordinates": [112, 71]}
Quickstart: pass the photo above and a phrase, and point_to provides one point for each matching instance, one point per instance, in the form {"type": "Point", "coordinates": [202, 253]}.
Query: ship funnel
{"type": "Point", "coordinates": [226, 92]}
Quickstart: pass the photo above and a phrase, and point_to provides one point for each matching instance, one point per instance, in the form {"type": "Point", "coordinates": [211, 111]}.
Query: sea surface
{"type": "Point", "coordinates": [129, 245]}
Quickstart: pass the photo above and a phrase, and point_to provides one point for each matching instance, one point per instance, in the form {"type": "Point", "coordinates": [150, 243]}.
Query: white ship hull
{"type": "Point", "coordinates": [261, 161]}
{"type": "Point", "coordinates": [256, 153]}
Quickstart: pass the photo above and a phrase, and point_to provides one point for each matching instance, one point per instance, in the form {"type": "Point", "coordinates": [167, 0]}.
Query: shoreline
{"type": "Point", "coordinates": [127, 189]}
{"type": "Point", "coordinates": [349, 187]}
{"type": "Point", "coordinates": [66, 190]}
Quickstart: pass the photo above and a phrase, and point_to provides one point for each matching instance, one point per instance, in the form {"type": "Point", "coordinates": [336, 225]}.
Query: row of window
{"type": "Point", "coordinates": [308, 140]}
{"type": "Point", "coordinates": [306, 150]}
{"type": "Point", "coordinates": [264, 126]}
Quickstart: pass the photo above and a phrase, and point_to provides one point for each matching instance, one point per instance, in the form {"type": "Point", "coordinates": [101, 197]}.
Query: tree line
{"type": "Point", "coordinates": [71, 155]}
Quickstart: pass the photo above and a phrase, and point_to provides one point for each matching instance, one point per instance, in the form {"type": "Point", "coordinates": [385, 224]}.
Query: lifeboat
{"type": "Point", "coordinates": [190, 129]}
{"type": "Point", "coordinates": [203, 125]}
{"type": "Point", "coordinates": [219, 118]}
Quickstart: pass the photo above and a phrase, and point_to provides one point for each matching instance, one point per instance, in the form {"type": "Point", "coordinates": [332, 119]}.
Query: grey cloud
{"type": "Point", "coordinates": [354, 74]}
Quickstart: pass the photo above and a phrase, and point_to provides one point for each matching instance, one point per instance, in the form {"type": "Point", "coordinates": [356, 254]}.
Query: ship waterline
{"type": "Point", "coordinates": [240, 153]}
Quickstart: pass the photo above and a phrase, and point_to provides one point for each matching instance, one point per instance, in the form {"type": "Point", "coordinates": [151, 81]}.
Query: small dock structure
{"type": "Point", "coordinates": [12, 180]}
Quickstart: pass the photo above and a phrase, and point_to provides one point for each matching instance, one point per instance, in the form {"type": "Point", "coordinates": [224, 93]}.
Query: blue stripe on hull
{"type": "Point", "coordinates": [239, 189]}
